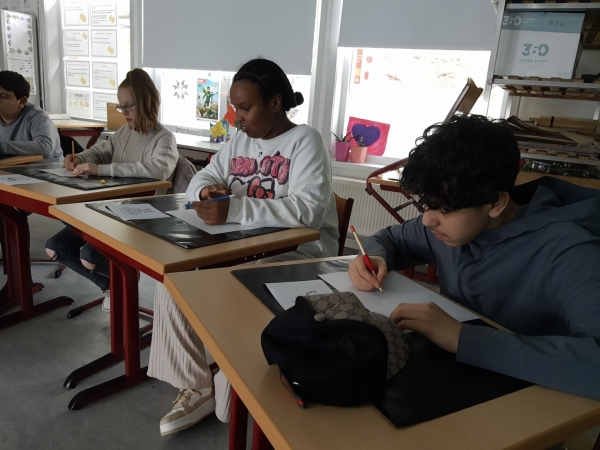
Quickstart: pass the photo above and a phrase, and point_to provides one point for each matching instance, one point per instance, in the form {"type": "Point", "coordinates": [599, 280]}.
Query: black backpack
{"type": "Point", "coordinates": [334, 362]}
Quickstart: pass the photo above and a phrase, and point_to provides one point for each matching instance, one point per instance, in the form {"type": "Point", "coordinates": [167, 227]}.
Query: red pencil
{"type": "Point", "coordinates": [366, 258]}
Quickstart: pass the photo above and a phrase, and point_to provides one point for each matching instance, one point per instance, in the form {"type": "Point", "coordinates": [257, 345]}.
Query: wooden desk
{"type": "Point", "coordinates": [522, 177]}
{"type": "Point", "coordinates": [229, 320]}
{"type": "Point", "coordinates": [37, 198]}
{"type": "Point", "coordinates": [18, 160]}
{"type": "Point", "coordinates": [74, 128]}
{"type": "Point", "coordinates": [525, 177]}
{"type": "Point", "coordinates": [128, 249]}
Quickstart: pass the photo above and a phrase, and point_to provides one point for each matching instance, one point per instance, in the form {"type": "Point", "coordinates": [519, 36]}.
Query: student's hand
{"type": "Point", "coordinates": [70, 162]}
{"type": "Point", "coordinates": [431, 321]}
{"type": "Point", "coordinates": [361, 276]}
{"type": "Point", "coordinates": [81, 169]}
{"type": "Point", "coordinates": [214, 191]}
{"type": "Point", "coordinates": [213, 213]}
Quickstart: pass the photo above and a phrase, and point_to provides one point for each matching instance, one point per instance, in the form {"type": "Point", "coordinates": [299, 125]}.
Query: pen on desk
{"type": "Point", "coordinates": [366, 258]}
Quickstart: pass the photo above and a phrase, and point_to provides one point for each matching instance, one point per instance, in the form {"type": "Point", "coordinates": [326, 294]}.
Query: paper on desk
{"type": "Point", "coordinates": [136, 211]}
{"type": "Point", "coordinates": [60, 171]}
{"type": "Point", "coordinates": [286, 293]}
{"type": "Point", "coordinates": [396, 289]}
{"type": "Point", "coordinates": [11, 180]}
{"type": "Point", "coordinates": [190, 216]}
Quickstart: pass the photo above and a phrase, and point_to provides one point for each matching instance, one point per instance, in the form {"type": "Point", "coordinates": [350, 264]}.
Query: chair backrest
{"type": "Point", "coordinates": [465, 101]}
{"type": "Point", "coordinates": [344, 211]}
{"type": "Point", "coordinates": [182, 175]}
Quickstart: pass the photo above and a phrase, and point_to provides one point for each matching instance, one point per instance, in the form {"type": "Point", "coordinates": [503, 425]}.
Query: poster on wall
{"type": "Point", "coordinates": [100, 101]}
{"type": "Point", "coordinates": [79, 104]}
{"type": "Point", "coordinates": [104, 43]}
{"type": "Point", "coordinates": [207, 99]}
{"type": "Point", "coordinates": [18, 42]}
{"type": "Point", "coordinates": [105, 75]}
{"type": "Point", "coordinates": [76, 13]}
{"type": "Point", "coordinates": [371, 134]}
{"type": "Point", "coordinates": [76, 43]}
{"type": "Point", "coordinates": [103, 14]}
{"type": "Point", "coordinates": [25, 67]}
{"type": "Point", "coordinates": [78, 73]}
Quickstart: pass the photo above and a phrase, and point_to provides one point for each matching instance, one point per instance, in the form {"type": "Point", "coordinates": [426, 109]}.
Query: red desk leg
{"type": "Point", "coordinates": [259, 440]}
{"type": "Point", "coordinates": [116, 335]}
{"type": "Point", "coordinates": [125, 338]}
{"type": "Point", "coordinates": [238, 425]}
{"type": "Point", "coordinates": [18, 266]}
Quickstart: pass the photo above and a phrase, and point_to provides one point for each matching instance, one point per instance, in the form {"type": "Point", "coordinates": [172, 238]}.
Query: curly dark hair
{"type": "Point", "coordinates": [463, 163]}
{"type": "Point", "coordinates": [271, 81]}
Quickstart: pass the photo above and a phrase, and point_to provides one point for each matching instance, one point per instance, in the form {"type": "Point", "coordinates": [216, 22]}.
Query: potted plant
{"type": "Point", "coordinates": [342, 147]}
{"type": "Point", "coordinates": [358, 152]}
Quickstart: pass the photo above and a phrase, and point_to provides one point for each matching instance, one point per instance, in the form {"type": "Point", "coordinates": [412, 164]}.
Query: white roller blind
{"type": "Point", "coordinates": [418, 24]}
{"type": "Point", "coordinates": [198, 34]}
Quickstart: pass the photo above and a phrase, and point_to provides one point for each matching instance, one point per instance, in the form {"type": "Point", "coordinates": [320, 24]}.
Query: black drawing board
{"type": "Point", "coordinates": [173, 229]}
{"type": "Point", "coordinates": [84, 183]}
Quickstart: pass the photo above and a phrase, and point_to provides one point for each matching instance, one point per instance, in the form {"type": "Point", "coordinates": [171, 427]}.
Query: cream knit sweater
{"type": "Point", "coordinates": [128, 153]}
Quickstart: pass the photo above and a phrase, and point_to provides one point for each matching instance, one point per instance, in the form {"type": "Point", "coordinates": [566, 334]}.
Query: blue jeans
{"type": "Point", "coordinates": [71, 249]}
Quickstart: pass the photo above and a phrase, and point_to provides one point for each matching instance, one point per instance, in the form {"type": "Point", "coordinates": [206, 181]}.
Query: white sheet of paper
{"type": "Point", "coordinates": [60, 171]}
{"type": "Point", "coordinates": [396, 289]}
{"type": "Point", "coordinates": [136, 211]}
{"type": "Point", "coordinates": [11, 180]}
{"type": "Point", "coordinates": [190, 216]}
{"type": "Point", "coordinates": [286, 293]}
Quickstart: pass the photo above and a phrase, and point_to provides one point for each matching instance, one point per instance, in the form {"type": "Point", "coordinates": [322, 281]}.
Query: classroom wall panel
{"type": "Point", "coordinates": [198, 34]}
{"type": "Point", "coordinates": [418, 24]}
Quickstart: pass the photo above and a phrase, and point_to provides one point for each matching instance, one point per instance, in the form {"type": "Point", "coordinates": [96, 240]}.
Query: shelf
{"type": "Point", "coordinates": [535, 87]}
{"type": "Point", "coordinates": [571, 7]}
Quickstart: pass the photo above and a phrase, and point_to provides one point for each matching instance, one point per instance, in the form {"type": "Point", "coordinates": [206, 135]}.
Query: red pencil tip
{"type": "Point", "coordinates": [352, 229]}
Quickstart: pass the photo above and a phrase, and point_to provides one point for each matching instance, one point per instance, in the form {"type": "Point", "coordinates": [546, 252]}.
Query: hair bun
{"type": "Point", "coordinates": [299, 98]}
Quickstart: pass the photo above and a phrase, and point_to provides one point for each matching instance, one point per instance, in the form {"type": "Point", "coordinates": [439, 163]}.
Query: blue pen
{"type": "Point", "coordinates": [188, 205]}
{"type": "Point", "coordinates": [218, 198]}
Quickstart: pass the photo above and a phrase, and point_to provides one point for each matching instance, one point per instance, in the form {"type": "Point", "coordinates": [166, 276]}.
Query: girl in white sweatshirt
{"type": "Point", "coordinates": [141, 149]}
{"type": "Point", "coordinates": [280, 176]}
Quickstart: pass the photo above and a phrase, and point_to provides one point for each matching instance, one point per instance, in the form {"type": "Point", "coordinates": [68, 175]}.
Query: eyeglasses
{"type": "Point", "coordinates": [123, 108]}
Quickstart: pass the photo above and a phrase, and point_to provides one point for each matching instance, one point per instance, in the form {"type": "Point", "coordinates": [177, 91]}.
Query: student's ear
{"type": "Point", "coordinates": [500, 205]}
{"type": "Point", "coordinates": [22, 102]}
{"type": "Point", "coordinates": [276, 102]}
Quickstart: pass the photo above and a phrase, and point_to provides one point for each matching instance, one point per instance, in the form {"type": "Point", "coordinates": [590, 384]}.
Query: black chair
{"type": "Point", "coordinates": [67, 143]}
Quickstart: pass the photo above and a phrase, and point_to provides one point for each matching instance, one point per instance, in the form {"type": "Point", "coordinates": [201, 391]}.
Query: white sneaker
{"type": "Point", "coordinates": [106, 302]}
{"type": "Point", "coordinates": [223, 397]}
{"type": "Point", "coordinates": [189, 408]}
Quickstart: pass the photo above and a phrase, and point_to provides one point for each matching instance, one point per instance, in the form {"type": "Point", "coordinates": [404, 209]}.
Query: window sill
{"type": "Point", "coordinates": [353, 170]}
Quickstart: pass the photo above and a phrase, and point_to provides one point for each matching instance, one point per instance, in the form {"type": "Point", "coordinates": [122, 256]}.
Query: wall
{"type": "Point", "coordinates": [51, 54]}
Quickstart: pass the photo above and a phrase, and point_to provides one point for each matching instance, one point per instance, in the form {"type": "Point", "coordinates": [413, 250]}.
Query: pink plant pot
{"type": "Point", "coordinates": [358, 154]}
{"type": "Point", "coordinates": [341, 151]}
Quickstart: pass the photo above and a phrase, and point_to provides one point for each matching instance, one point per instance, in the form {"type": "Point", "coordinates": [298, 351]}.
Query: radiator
{"type": "Point", "coordinates": [368, 216]}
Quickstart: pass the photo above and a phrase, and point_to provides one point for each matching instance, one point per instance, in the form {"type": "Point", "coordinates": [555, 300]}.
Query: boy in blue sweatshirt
{"type": "Point", "coordinates": [526, 257]}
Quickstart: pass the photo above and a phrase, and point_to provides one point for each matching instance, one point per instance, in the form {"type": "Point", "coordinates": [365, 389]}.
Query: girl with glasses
{"type": "Point", "coordinates": [141, 149]}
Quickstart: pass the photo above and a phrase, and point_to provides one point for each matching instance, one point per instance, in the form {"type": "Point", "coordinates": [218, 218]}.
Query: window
{"type": "Point", "coordinates": [186, 108]}
{"type": "Point", "coordinates": [96, 54]}
{"type": "Point", "coordinates": [407, 89]}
